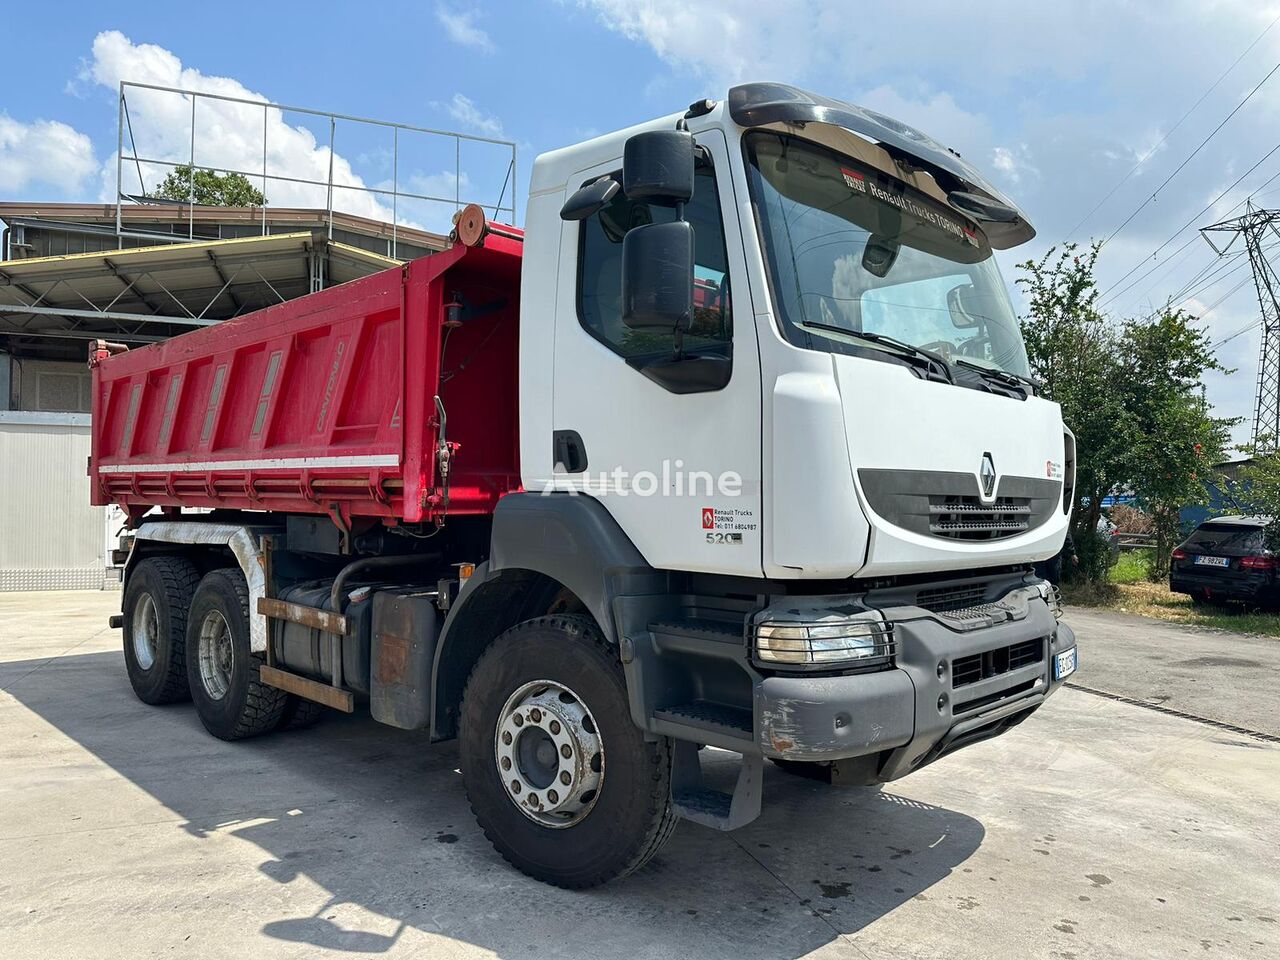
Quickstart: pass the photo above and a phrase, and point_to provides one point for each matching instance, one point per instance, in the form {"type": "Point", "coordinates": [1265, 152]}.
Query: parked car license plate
{"type": "Point", "coordinates": [1212, 562]}
{"type": "Point", "coordinates": [1064, 664]}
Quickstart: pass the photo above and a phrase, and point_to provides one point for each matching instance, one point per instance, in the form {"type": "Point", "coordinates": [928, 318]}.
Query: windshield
{"type": "Point", "coordinates": [852, 248]}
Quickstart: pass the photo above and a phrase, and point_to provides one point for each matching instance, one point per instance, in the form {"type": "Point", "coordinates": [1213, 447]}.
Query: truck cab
{"type": "Point", "coordinates": [772, 481]}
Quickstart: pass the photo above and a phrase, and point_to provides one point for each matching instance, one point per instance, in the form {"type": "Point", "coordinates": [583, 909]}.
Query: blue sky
{"type": "Point", "coordinates": [1056, 102]}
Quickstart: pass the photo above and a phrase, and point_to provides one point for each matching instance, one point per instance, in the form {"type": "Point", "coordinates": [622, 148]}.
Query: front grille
{"type": "Point", "coordinates": [942, 599]}
{"type": "Point", "coordinates": [967, 518]}
{"type": "Point", "coordinates": [977, 703]}
{"type": "Point", "coordinates": [993, 663]}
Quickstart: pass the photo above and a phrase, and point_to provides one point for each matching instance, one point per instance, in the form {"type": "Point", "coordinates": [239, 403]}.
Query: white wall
{"type": "Point", "coordinates": [50, 537]}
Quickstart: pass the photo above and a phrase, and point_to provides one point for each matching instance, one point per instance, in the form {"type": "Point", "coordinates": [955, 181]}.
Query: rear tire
{"type": "Point", "coordinates": [155, 609]}
{"type": "Point", "coordinates": [222, 672]}
{"type": "Point", "coordinates": [300, 713]}
{"type": "Point", "coordinates": [614, 814]}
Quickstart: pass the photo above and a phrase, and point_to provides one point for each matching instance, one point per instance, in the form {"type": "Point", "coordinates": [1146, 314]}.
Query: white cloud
{"type": "Point", "coordinates": [228, 135]}
{"type": "Point", "coordinates": [462, 30]}
{"type": "Point", "coordinates": [45, 153]}
{"type": "Point", "coordinates": [464, 110]}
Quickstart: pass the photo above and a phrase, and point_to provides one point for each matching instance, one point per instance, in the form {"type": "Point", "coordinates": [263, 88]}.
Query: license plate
{"type": "Point", "coordinates": [1064, 664]}
{"type": "Point", "coordinates": [1212, 562]}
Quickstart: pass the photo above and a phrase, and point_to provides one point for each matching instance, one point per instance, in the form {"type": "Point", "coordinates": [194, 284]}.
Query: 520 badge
{"type": "Point", "coordinates": [733, 538]}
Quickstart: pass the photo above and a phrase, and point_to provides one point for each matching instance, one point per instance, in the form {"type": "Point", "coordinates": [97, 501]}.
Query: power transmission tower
{"type": "Point", "coordinates": [1252, 226]}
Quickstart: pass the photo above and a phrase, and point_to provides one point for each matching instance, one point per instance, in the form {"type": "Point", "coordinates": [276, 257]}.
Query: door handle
{"type": "Point", "coordinates": [568, 452]}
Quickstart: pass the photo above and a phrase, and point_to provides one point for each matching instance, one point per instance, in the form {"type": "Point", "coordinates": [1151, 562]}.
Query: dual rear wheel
{"type": "Point", "coordinates": [187, 637]}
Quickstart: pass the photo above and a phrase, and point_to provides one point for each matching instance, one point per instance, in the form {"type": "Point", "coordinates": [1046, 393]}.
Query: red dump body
{"type": "Point", "coordinates": [326, 404]}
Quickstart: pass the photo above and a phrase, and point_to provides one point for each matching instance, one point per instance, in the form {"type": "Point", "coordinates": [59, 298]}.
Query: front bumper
{"type": "Point", "coordinates": [958, 678]}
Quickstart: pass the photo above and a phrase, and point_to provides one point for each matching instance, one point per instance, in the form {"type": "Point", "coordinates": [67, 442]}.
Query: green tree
{"type": "Point", "coordinates": [1132, 394]}
{"type": "Point", "coordinates": [1259, 487]}
{"type": "Point", "coordinates": [1075, 352]}
{"type": "Point", "coordinates": [1173, 434]}
{"type": "Point", "coordinates": [211, 189]}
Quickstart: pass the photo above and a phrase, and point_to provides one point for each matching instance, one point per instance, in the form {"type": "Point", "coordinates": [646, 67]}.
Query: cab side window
{"type": "Point", "coordinates": [600, 275]}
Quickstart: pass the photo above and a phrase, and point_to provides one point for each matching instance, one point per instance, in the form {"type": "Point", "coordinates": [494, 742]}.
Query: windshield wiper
{"type": "Point", "coordinates": [935, 359]}
{"type": "Point", "coordinates": [1004, 376]}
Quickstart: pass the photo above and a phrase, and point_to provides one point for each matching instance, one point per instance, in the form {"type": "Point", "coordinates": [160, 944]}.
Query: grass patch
{"type": "Point", "coordinates": [1131, 567]}
{"type": "Point", "coordinates": [1156, 601]}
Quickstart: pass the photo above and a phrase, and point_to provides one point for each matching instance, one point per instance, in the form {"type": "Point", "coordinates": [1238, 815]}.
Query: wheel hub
{"type": "Point", "coordinates": [549, 754]}
{"type": "Point", "coordinates": [146, 631]}
{"type": "Point", "coordinates": [217, 655]}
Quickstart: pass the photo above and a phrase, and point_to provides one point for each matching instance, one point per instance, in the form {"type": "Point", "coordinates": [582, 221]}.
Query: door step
{"type": "Point", "coordinates": [694, 801]}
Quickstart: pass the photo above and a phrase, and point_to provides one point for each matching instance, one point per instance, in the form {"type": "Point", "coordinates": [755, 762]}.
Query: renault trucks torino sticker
{"type": "Point", "coordinates": [726, 526]}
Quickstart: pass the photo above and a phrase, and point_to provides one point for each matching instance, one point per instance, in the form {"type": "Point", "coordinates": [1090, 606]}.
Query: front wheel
{"type": "Point", "coordinates": [560, 779]}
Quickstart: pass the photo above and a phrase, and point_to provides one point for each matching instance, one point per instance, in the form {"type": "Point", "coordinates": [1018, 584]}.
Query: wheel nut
{"type": "Point", "coordinates": [535, 715]}
{"type": "Point", "coordinates": [942, 668]}
{"type": "Point", "coordinates": [518, 720]}
{"type": "Point", "coordinates": [555, 726]}
{"type": "Point", "coordinates": [566, 752]}
{"type": "Point", "coordinates": [506, 737]}
{"type": "Point", "coordinates": [565, 778]}
{"type": "Point", "coordinates": [506, 763]}
{"type": "Point", "coordinates": [553, 797]}
{"type": "Point", "coordinates": [515, 786]}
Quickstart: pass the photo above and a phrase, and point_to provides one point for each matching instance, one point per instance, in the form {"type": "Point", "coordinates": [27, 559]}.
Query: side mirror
{"type": "Point", "coordinates": [657, 276]}
{"type": "Point", "coordinates": [658, 166]}
{"type": "Point", "coordinates": [588, 199]}
{"type": "Point", "coordinates": [982, 208]}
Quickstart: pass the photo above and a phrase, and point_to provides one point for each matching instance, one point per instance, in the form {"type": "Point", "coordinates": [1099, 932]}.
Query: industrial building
{"type": "Point", "coordinates": [143, 269]}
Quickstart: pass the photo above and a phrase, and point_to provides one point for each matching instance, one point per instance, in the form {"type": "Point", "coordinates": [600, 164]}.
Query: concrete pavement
{"type": "Point", "coordinates": [1095, 829]}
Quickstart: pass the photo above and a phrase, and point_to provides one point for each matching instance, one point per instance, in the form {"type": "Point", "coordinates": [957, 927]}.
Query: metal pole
{"type": "Point", "coordinates": [514, 192]}
{"type": "Point", "coordinates": [395, 186]}
{"type": "Point", "coordinates": [191, 194]}
{"type": "Point", "coordinates": [120, 166]}
{"type": "Point", "coordinates": [264, 169]}
{"type": "Point", "coordinates": [332, 129]}
{"type": "Point", "coordinates": [457, 174]}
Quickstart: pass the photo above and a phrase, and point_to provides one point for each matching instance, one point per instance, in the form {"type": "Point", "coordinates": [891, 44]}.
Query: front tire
{"type": "Point", "coordinates": [223, 673]}
{"type": "Point", "coordinates": [155, 609]}
{"type": "Point", "coordinates": [561, 780]}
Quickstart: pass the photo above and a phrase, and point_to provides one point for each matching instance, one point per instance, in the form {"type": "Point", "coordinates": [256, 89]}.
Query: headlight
{"type": "Point", "coordinates": [824, 642]}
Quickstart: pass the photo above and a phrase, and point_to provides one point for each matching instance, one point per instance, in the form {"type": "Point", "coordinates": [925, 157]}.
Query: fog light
{"type": "Point", "coordinates": [826, 641]}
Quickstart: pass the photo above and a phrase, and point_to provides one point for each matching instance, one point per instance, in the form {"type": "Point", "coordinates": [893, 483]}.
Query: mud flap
{"type": "Point", "coordinates": [403, 650]}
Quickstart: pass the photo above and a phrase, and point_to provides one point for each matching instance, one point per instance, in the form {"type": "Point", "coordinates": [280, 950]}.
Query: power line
{"type": "Point", "coordinates": [1168, 133]}
{"type": "Point", "coordinates": [1192, 156]}
{"type": "Point", "coordinates": [1207, 207]}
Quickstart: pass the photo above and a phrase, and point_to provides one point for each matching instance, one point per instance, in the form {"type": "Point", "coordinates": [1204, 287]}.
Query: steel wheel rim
{"type": "Point", "coordinates": [146, 631]}
{"type": "Point", "coordinates": [217, 655]}
{"type": "Point", "coordinates": [549, 754]}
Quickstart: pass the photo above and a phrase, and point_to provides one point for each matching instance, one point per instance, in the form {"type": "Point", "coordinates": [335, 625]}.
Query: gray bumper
{"type": "Point", "coordinates": [921, 709]}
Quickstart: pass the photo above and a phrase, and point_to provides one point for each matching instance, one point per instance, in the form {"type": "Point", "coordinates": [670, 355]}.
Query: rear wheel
{"type": "Point", "coordinates": [300, 713]}
{"type": "Point", "coordinates": [559, 777]}
{"type": "Point", "coordinates": [223, 673]}
{"type": "Point", "coordinates": [155, 610]}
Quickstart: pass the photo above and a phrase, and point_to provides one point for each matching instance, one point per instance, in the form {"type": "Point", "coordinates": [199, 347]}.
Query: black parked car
{"type": "Point", "coordinates": [1226, 559]}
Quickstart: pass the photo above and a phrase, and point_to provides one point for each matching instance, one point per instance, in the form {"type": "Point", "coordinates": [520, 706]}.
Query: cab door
{"type": "Point", "coordinates": [679, 471]}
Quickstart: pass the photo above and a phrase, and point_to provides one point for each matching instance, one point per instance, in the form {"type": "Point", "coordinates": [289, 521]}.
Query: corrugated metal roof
{"type": "Point", "coordinates": [158, 291]}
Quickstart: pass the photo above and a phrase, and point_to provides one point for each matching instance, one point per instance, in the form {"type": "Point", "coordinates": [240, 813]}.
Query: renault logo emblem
{"type": "Point", "coordinates": [988, 475]}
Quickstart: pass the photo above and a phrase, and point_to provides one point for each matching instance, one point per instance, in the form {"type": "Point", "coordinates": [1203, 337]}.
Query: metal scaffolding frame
{"type": "Point", "coordinates": [125, 125]}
